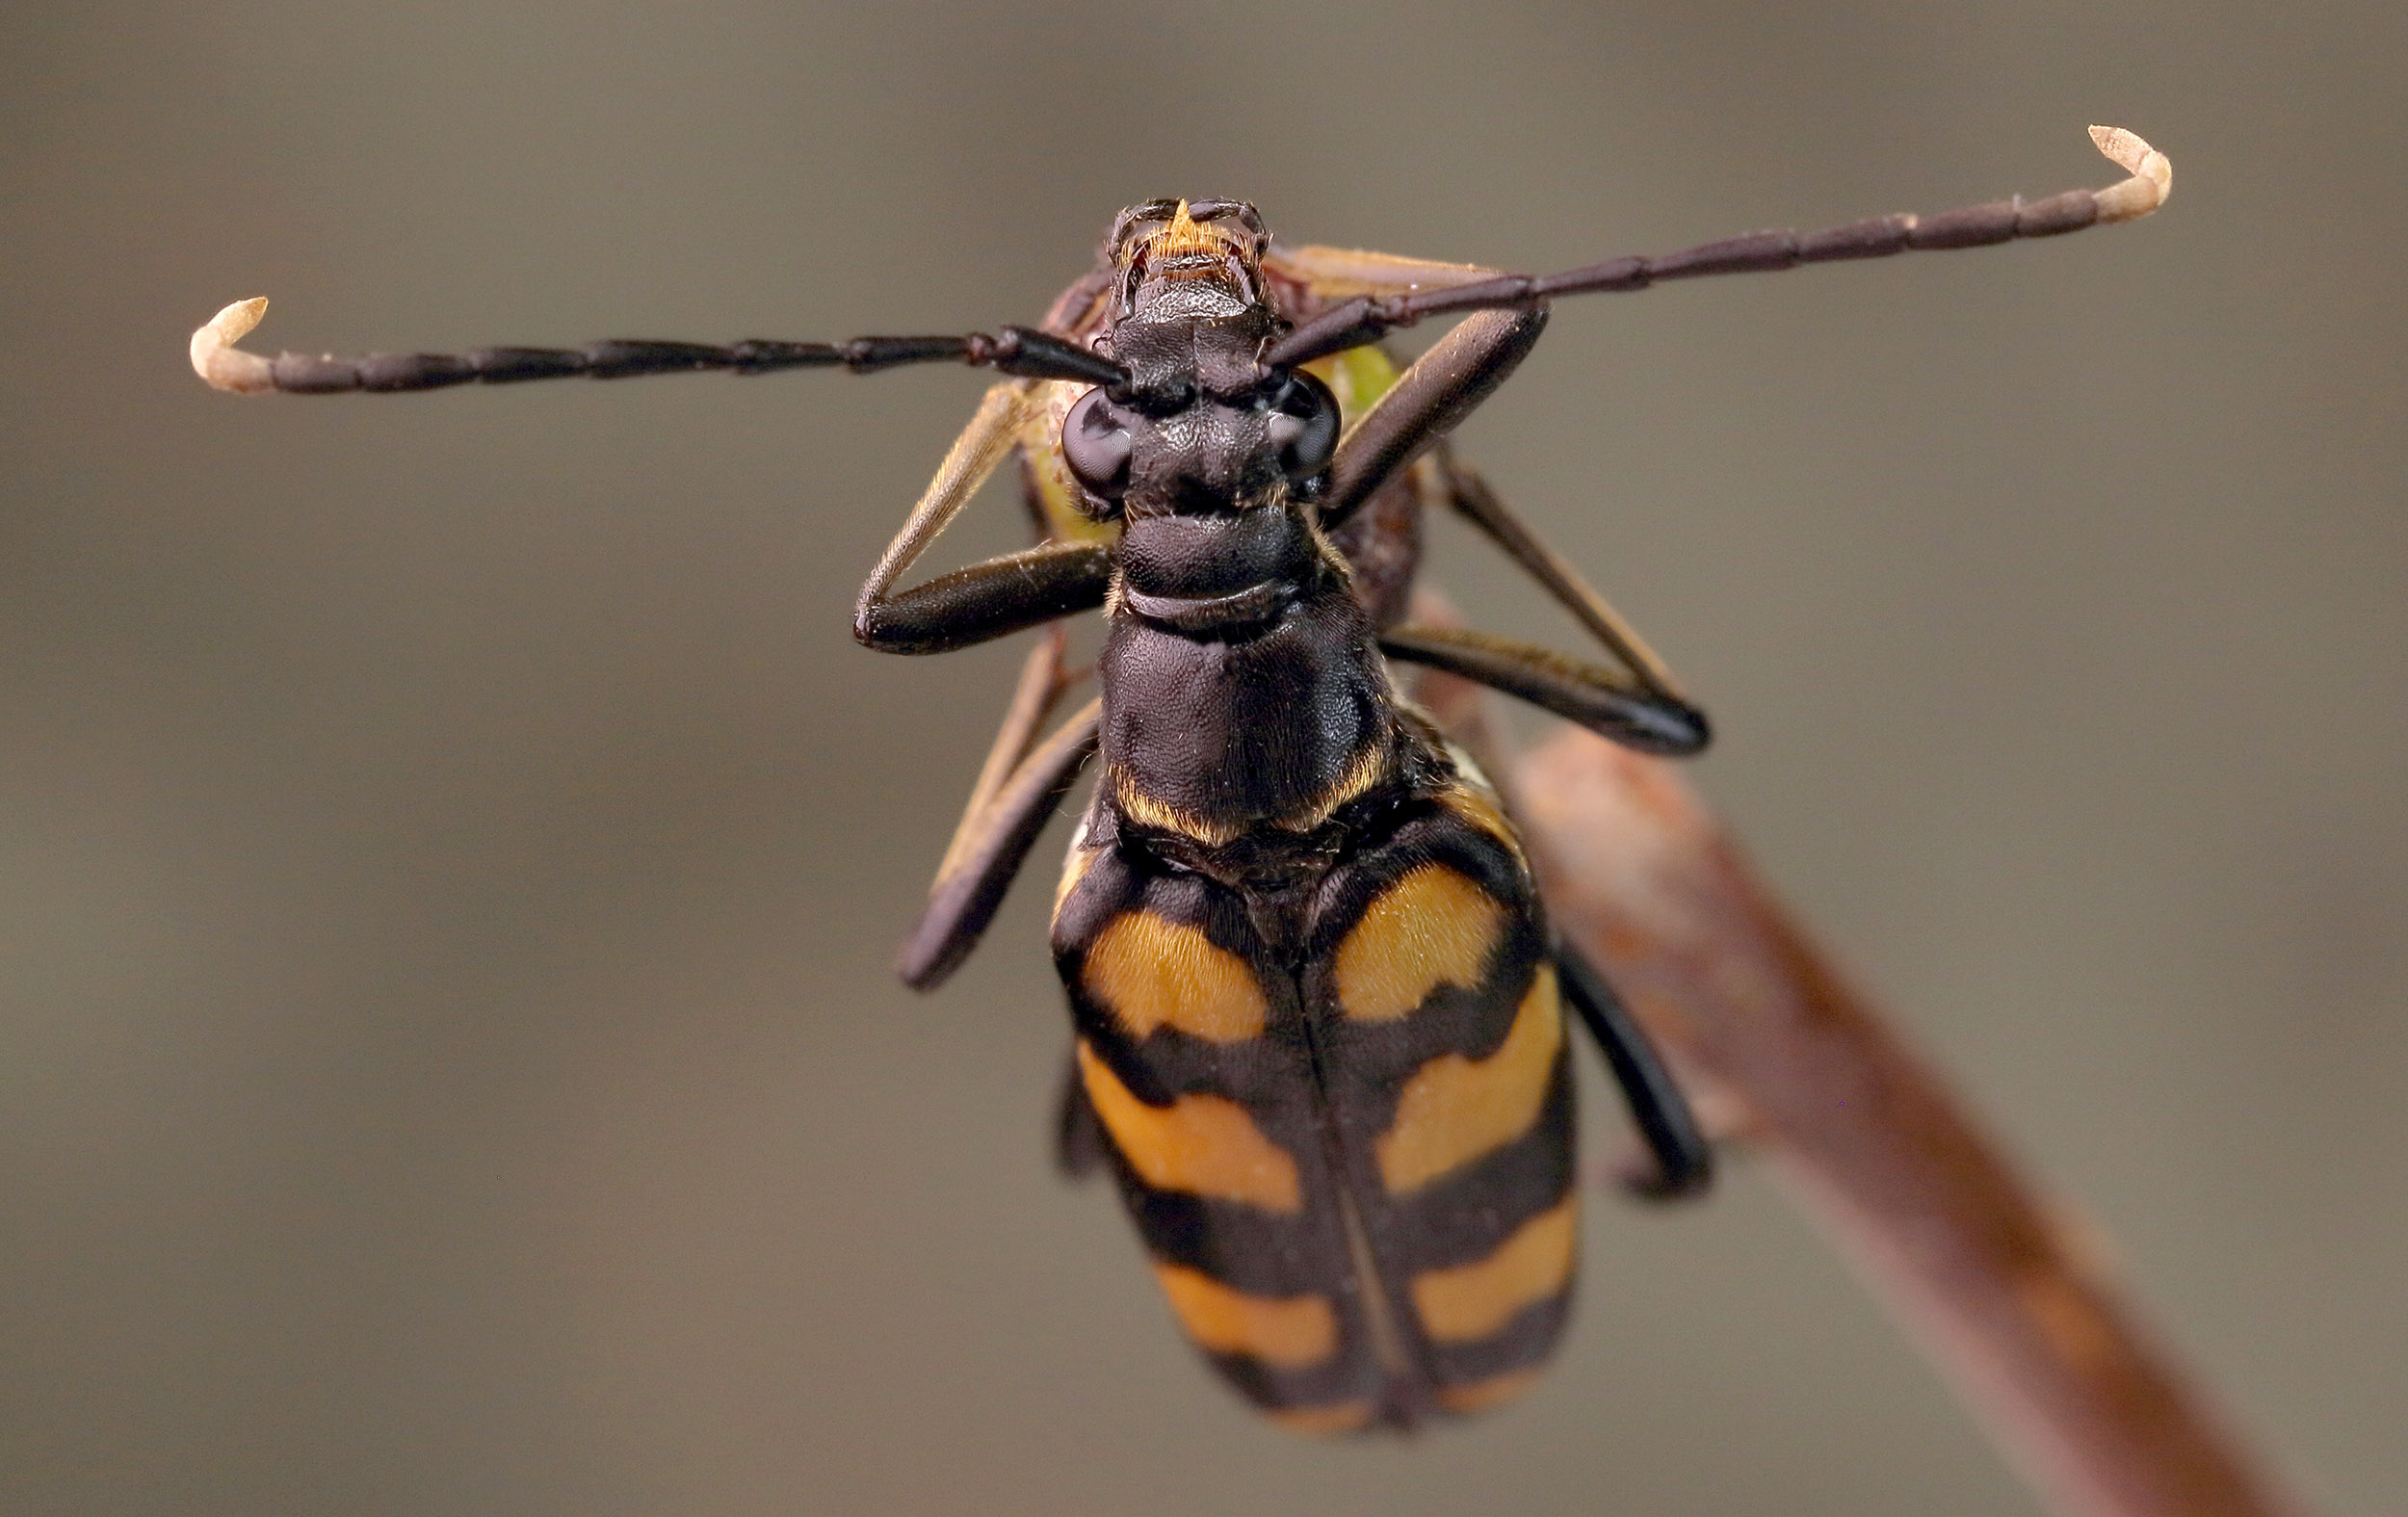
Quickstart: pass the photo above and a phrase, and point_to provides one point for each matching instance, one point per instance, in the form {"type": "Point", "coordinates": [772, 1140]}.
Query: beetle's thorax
{"type": "Point", "coordinates": [1245, 698]}
{"type": "Point", "coordinates": [1213, 738]}
{"type": "Point", "coordinates": [1243, 690]}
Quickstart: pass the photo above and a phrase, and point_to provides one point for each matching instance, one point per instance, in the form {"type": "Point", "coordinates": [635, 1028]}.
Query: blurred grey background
{"type": "Point", "coordinates": [450, 849]}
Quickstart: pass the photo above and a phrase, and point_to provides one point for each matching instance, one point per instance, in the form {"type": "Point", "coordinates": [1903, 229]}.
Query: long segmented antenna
{"type": "Point", "coordinates": [1366, 319]}
{"type": "Point", "coordinates": [1015, 351]}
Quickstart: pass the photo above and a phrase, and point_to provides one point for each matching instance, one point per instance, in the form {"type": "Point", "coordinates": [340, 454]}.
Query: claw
{"type": "Point", "coordinates": [227, 367]}
{"type": "Point", "coordinates": [2152, 176]}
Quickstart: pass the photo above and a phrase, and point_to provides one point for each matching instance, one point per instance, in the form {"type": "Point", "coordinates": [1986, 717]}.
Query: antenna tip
{"type": "Point", "coordinates": [2152, 174]}
{"type": "Point", "coordinates": [227, 367]}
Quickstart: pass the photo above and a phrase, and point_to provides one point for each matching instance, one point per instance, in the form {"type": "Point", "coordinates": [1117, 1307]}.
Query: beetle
{"type": "Point", "coordinates": [1318, 1012]}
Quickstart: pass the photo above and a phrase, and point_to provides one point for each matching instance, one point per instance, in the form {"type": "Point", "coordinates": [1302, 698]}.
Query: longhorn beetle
{"type": "Point", "coordinates": [1317, 1004]}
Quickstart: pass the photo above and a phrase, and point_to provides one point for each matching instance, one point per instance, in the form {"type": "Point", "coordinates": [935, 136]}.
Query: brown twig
{"type": "Point", "coordinates": [2012, 1307]}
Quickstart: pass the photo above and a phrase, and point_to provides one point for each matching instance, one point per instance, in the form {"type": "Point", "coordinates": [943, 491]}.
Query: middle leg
{"type": "Point", "coordinates": [1018, 787]}
{"type": "Point", "coordinates": [1635, 703]}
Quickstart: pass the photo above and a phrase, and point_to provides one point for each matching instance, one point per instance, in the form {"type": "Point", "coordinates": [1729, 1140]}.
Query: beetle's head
{"type": "Point", "coordinates": [1201, 426]}
{"type": "Point", "coordinates": [1189, 258]}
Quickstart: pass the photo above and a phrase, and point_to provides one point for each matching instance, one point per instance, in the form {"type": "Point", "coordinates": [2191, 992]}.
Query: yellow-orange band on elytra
{"type": "Point", "coordinates": [1431, 928]}
{"type": "Point", "coordinates": [1202, 1144]}
{"type": "Point", "coordinates": [1290, 1332]}
{"type": "Point", "coordinates": [1470, 1301]}
{"type": "Point", "coordinates": [1454, 1109]}
{"type": "Point", "coordinates": [1151, 972]}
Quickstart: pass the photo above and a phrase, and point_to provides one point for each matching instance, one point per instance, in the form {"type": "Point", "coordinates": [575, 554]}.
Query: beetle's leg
{"type": "Point", "coordinates": [1044, 677]}
{"type": "Point", "coordinates": [1078, 1149]}
{"type": "Point", "coordinates": [1435, 392]}
{"type": "Point", "coordinates": [1369, 317]}
{"type": "Point", "coordinates": [1329, 274]}
{"type": "Point", "coordinates": [986, 600]}
{"type": "Point", "coordinates": [1607, 701]}
{"type": "Point", "coordinates": [1017, 789]}
{"type": "Point", "coordinates": [990, 849]}
{"type": "Point", "coordinates": [1470, 495]}
{"type": "Point", "coordinates": [1684, 1165]}
{"type": "Point", "coordinates": [1637, 704]}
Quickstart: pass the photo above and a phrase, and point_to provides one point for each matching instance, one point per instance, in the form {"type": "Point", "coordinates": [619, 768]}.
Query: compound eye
{"type": "Point", "coordinates": [1095, 444]}
{"type": "Point", "coordinates": [1303, 426]}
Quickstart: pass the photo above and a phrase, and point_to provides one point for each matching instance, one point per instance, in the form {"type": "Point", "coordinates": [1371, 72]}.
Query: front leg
{"type": "Point", "coordinates": [986, 600]}
{"type": "Point", "coordinates": [1430, 399]}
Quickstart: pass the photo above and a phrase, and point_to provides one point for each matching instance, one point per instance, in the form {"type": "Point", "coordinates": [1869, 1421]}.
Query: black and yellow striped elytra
{"type": "Point", "coordinates": [1343, 1122]}
{"type": "Point", "coordinates": [1319, 1015]}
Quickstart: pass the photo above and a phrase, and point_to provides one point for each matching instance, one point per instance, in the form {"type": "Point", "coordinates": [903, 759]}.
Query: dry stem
{"type": "Point", "coordinates": [2016, 1312]}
